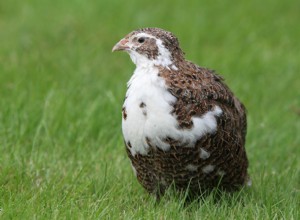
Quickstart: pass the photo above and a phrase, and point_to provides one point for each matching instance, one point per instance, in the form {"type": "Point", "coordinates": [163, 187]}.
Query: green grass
{"type": "Point", "coordinates": [61, 92]}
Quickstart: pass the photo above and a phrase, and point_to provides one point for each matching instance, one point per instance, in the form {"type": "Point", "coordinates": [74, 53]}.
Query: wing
{"type": "Point", "coordinates": [198, 90]}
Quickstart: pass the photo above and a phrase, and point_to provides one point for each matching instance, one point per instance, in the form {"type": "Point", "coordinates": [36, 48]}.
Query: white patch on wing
{"type": "Point", "coordinates": [191, 167]}
{"type": "Point", "coordinates": [204, 154]}
{"type": "Point", "coordinates": [174, 67]}
{"type": "Point", "coordinates": [208, 168]}
{"type": "Point", "coordinates": [145, 86]}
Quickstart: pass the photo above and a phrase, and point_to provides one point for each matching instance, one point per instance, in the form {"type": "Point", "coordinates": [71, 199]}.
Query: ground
{"type": "Point", "coordinates": [61, 94]}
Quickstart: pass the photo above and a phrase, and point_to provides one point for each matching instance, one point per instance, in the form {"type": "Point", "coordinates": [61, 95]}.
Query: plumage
{"type": "Point", "coordinates": [181, 124]}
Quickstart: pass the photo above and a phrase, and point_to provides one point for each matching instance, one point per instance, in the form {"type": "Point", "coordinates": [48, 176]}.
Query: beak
{"type": "Point", "coordinates": [121, 45]}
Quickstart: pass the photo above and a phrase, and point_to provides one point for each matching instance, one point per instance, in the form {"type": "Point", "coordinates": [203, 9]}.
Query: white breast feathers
{"type": "Point", "coordinates": [148, 107]}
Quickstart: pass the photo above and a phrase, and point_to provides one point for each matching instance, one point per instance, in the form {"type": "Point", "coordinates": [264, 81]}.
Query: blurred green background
{"type": "Point", "coordinates": [61, 92]}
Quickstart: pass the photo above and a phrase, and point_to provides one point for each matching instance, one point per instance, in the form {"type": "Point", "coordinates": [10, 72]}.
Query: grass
{"type": "Point", "coordinates": [61, 92]}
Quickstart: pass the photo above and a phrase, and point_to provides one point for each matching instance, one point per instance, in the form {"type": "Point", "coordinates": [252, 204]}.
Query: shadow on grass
{"type": "Point", "coordinates": [210, 197]}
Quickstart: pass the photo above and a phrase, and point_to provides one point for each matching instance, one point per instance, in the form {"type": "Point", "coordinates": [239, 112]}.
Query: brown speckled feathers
{"type": "Point", "coordinates": [216, 159]}
{"type": "Point", "coordinates": [197, 90]}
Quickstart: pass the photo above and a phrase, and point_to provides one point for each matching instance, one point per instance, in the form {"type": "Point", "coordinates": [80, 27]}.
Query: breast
{"type": "Point", "coordinates": [146, 110]}
{"type": "Point", "coordinates": [147, 118]}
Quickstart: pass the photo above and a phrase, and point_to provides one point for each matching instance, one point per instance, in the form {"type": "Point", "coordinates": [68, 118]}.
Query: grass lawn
{"type": "Point", "coordinates": [61, 93]}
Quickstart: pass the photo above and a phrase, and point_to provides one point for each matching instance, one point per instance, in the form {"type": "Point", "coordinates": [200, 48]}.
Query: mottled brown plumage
{"type": "Point", "coordinates": [215, 159]}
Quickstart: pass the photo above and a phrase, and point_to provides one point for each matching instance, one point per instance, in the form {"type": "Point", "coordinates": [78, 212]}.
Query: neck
{"type": "Point", "coordinates": [145, 63]}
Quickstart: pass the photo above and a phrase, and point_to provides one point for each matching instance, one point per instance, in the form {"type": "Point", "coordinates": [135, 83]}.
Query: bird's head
{"type": "Point", "coordinates": [151, 46]}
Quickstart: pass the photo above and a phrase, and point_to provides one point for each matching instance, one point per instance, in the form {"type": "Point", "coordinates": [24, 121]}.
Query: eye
{"type": "Point", "coordinates": [141, 40]}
